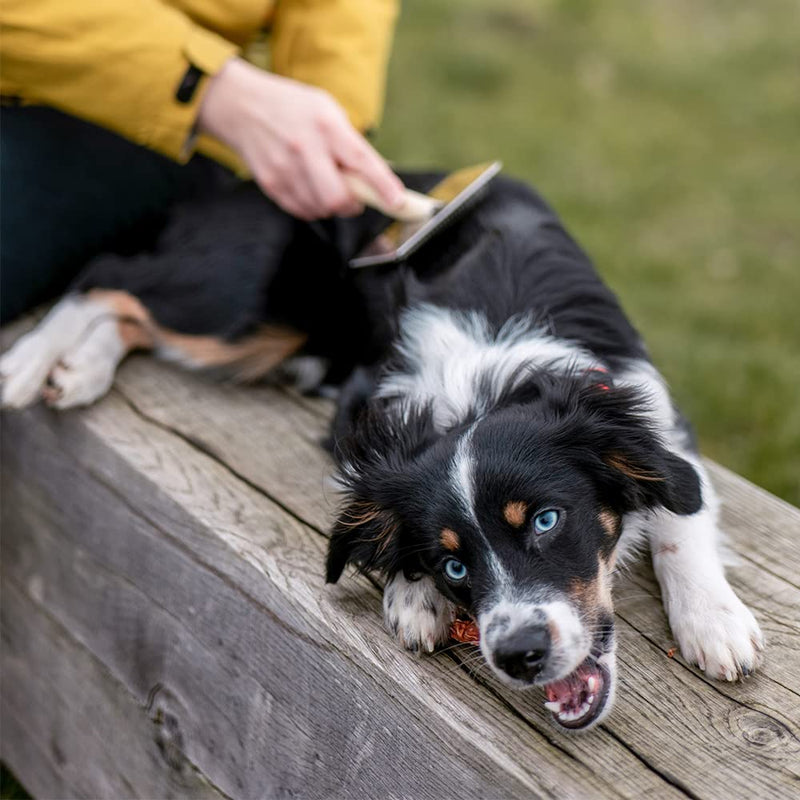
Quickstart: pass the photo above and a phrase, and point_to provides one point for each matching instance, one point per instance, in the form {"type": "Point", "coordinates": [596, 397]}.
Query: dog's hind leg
{"type": "Point", "coordinates": [70, 358]}
{"type": "Point", "coordinates": [85, 373]}
{"type": "Point", "coordinates": [245, 359]}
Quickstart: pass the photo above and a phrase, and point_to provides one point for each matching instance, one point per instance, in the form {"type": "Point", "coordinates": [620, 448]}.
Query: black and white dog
{"type": "Point", "coordinates": [502, 437]}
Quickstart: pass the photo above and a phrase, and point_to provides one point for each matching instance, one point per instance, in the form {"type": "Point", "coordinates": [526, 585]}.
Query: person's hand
{"type": "Point", "coordinates": [296, 140]}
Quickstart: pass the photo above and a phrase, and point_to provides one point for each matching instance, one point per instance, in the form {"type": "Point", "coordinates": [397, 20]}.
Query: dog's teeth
{"type": "Point", "coordinates": [590, 700]}
{"type": "Point", "coordinates": [553, 705]}
{"type": "Point", "coordinates": [591, 684]}
{"type": "Point", "coordinates": [570, 716]}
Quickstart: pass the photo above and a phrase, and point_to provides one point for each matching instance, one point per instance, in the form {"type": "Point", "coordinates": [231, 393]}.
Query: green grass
{"type": "Point", "coordinates": [666, 134]}
{"type": "Point", "coordinates": [10, 788]}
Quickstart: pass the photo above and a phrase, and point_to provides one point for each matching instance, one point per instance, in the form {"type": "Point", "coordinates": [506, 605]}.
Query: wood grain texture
{"type": "Point", "coordinates": [276, 687]}
{"type": "Point", "coordinates": [173, 535]}
{"type": "Point", "coordinates": [68, 721]}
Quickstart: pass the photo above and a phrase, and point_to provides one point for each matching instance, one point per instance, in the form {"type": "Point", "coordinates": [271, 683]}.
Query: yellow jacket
{"type": "Point", "coordinates": [118, 63]}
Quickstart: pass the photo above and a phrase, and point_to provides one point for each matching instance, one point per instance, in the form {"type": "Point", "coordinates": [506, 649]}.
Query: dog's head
{"type": "Point", "coordinates": [516, 516]}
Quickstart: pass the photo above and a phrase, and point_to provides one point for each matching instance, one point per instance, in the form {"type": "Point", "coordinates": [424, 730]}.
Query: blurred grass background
{"type": "Point", "coordinates": [667, 135]}
{"type": "Point", "coordinates": [10, 788]}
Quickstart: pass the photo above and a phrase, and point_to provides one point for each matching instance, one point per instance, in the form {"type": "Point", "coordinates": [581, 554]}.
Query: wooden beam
{"type": "Point", "coordinates": [195, 590]}
{"type": "Point", "coordinates": [174, 534]}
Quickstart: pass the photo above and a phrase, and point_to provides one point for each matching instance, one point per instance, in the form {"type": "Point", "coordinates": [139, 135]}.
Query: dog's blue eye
{"type": "Point", "coordinates": [545, 521]}
{"type": "Point", "coordinates": [454, 570]}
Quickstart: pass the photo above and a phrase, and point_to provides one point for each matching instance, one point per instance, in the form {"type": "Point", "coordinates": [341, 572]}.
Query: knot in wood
{"type": "Point", "coordinates": [765, 732]}
{"type": "Point", "coordinates": [167, 734]}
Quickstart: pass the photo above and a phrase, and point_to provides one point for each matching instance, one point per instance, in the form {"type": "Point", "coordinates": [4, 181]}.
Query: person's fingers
{"type": "Point", "coordinates": [286, 194]}
{"type": "Point", "coordinates": [303, 196]}
{"type": "Point", "coordinates": [355, 154]}
{"type": "Point", "coordinates": [331, 192]}
{"type": "Point", "coordinates": [295, 187]}
{"type": "Point", "coordinates": [290, 205]}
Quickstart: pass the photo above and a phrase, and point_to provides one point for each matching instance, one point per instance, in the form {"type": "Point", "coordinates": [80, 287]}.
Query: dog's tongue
{"type": "Point", "coordinates": [574, 699]}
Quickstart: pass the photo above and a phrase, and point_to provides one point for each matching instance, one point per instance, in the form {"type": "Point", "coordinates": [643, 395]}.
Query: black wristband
{"type": "Point", "coordinates": [188, 85]}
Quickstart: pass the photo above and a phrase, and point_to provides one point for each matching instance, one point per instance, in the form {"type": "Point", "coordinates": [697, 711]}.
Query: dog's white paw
{"type": "Point", "coordinates": [85, 373]}
{"type": "Point", "coordinates": [416, 613]}
{"type": "Point", "coordinates": [69, 359]}
{"type": "Point", "coordinates": [24, 369]}
{"type": "Point", "coordinates": [78, 382]}
{"type": "Point", "coordinates": [716, 631]}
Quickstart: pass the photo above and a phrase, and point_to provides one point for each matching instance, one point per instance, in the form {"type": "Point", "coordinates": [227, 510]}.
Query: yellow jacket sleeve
{"type": "Point", "coordinates": [113, 62]}
{"type": "Point", "coordinates": [342, 46]}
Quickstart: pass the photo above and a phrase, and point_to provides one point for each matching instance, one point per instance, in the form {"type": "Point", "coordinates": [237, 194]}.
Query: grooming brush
{"type": "Point", "coordinates": [421, 216]}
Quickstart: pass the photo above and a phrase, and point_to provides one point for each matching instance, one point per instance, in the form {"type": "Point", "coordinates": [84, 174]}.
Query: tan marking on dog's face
{"type": "Point", "coordinates": [610, 522]}
{"type": "Point", "coordinates": [449, 539]}
{"type": "Point", "coordinates": [593, 596]}
{"type": "Point", "coordinates": [604, 583]}
{"type": "Point", "coordinates": [584, 593]}
{"type": "Point", "coordinates": [515, 513]}
{"type": "Point", "coordinates": [555, 633]}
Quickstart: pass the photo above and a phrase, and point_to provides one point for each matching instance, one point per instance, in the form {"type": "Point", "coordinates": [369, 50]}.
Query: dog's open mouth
{"type": "Point", "coordinates": [578, 700]}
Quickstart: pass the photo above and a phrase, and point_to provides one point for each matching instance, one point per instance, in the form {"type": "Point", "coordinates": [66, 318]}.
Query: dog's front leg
{"type": "Point", "coordinates": [416, 613]}
{"type": "Point", "coordinates": [714, 629]}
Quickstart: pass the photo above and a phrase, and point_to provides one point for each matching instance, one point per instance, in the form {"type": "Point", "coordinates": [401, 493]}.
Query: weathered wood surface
{"type": "Point", "coordinates": [167, 632]}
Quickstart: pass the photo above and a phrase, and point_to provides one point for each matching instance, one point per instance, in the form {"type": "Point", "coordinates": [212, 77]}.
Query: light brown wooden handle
{"type": "Point", "coordinates": [416, 207]}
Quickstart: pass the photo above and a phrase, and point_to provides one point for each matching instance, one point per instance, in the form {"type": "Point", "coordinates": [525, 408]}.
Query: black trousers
{"type": "Point", "coordinates": [70, 190]}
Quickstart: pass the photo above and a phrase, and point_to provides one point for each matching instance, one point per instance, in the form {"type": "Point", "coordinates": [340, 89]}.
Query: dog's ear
{"type": "Point", "coordinates": [651, 477]}
{"type": "Point", "coordinates": [365, 534]}
{"type": "Point", "coordinates": [373, 467]}
{"type": "Point", "coordinates": [629, 462]}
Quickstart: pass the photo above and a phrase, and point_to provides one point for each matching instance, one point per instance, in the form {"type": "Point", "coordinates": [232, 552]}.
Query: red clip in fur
{"type": "Point", "coordinates": [604, 387]}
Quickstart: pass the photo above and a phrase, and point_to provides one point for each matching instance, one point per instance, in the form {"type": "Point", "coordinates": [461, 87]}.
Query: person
{"type": "Point", "coordinates": [115, 109]}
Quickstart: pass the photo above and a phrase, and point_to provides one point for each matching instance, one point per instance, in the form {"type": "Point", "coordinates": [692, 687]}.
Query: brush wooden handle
{"type": "Point", "coordinates": [416, 207]}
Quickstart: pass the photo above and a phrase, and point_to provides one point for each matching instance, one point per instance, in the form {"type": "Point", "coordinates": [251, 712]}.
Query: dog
{"type": "Point", "coordinates": [502, 438]}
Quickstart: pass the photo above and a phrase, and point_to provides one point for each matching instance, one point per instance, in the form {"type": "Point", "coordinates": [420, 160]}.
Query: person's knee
{"type": "Point", "coordinates": [71, 190]}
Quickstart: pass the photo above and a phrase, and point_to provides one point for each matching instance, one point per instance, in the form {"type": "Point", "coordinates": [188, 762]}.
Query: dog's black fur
{"type": "Point", "coordinates": [224, 264]}
{"type": "Point", "coordinates": [540, 435]}
{"type": "Point", "coordinates": [548, 439]}
{"type": "Point", "coordinates": [510, 257]}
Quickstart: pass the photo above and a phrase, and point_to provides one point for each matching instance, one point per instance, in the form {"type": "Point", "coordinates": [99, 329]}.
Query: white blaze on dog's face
{"type": "Point", "coordinates": [530, 555]}
{"type": "Point", "coordinates": [516, 518]}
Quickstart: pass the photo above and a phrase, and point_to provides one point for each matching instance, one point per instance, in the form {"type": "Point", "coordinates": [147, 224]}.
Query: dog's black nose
{"type": "Point", "coordinates": [524, 652]}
